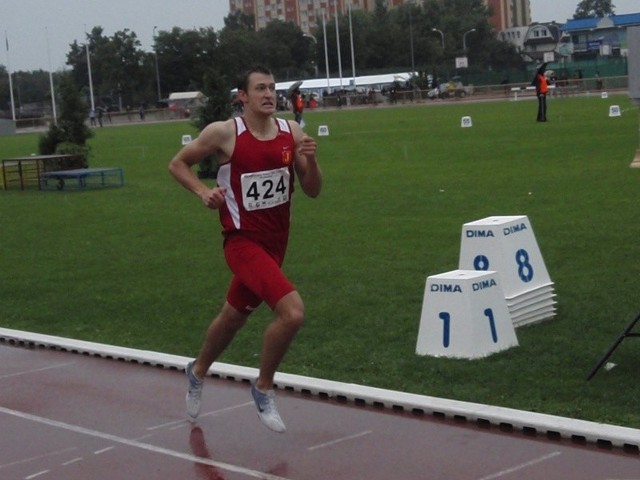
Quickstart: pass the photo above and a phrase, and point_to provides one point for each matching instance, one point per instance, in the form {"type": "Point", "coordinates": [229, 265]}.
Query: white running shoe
{"type": "Point", "coordinates": [267, 411]}
{"type": "Point", "coordinates": [194, 393]}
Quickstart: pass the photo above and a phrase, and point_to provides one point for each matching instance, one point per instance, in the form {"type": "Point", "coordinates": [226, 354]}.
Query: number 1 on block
{"type": "Point", "coordinates": [446, 326]}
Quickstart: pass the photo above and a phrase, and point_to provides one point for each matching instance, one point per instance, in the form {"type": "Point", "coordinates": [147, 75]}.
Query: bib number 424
{"type": "Point", "coordinates": [266, 189]}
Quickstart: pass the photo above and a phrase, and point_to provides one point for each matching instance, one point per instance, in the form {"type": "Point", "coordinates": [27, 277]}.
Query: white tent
{"type": "Point", "coordinates": [186, 96]}
{"type": "Point", "coordinates": [348, 83]}
{"type": "Point", "coordinates": [317, 85]}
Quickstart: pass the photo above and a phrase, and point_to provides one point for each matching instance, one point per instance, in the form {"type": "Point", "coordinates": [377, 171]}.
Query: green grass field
{"type": "Point", "coordinates": [141, 266]}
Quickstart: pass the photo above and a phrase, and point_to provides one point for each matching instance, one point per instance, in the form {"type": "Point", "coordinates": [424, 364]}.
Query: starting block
{"type": "Point", "coordinates": [464, 315]}
{"type": "Point", "coordinates": [507, 245]}
{"type": "Point", "coordinates": [186, 139]}
{"type": "Point", "coordinates": [614, 111]}
{"type": "Point", "coordinates": [466, 122]}
{"type": "Point", "coordinates": [323, 131]}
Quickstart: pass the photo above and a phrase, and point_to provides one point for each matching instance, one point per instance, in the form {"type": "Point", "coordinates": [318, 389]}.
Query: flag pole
{"type": "Point", "coordinates": [13, 105]}
{"type": "Point", "coordinates": [93, 104]}
{"type": "Point", "coordinates": [53, 94]}
{"type": "Point", "coordinates": [353, 57]}
{"type": "Point", "coordinates": [335, 4]}
{"type": "Point", "coordinates": [326, 54]}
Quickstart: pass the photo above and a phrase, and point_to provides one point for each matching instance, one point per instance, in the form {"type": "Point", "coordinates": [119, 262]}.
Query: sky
{"type": "Point", "coordinates": [39, 32]}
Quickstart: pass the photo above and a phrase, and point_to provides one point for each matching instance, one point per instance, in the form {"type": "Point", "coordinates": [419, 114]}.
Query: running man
{"type": "Point", "coordinates": [259, 157]}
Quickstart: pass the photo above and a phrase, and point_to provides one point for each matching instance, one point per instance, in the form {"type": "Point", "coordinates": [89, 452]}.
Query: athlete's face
{"type": "Point", "coordinates": [261, 93]}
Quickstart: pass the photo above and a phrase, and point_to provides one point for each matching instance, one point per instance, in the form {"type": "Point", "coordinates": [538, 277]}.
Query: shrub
{"type": "Point", "coordinates": [217, 107]}
{"type": "Point", "coordinates": [71, 133]}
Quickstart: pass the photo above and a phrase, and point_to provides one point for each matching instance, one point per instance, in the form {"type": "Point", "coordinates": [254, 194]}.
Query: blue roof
{"type": "Point", "coordinates": [590, 23]}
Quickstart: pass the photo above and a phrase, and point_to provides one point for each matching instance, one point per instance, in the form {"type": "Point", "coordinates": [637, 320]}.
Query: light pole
{"type": "Point", "coordinates": [326, 52]}
{"type": "Point", "coordinates": [53, 93]}
{"type": "Point", "coordinates": [315, 42]}
{"type": "Point", "coordinates": [353, 58]}
{"type": "Point", "coordinates": [335, 4]}
{"type": "Point", "coordinates": [464, 39]}
{"type": "Point", "coordinates": [441, 36]}
{"type": "Point", "coordinates": [413, 63]}
{"type": "Point", "coordinates": [155, 54]}
{"type": "Point", "coordinates": [93, 104]}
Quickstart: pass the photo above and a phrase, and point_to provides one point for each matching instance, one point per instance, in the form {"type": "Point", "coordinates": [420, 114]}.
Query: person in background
{"type": "Point", "coordinates": [297, 105]}
{"type": "Point", "coordinates": [542, 89]}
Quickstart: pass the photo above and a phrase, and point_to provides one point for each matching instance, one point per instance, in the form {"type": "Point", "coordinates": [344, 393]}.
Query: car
{"type": "Point", "coordinates": [454, 89]}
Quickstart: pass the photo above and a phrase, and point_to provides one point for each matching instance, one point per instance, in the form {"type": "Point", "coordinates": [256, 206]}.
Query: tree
{"type": "Point", "coordinates": [216, 108]}
{"type": "Point", "coordinates": [71, 133]}
{"type": "Point", "coordinates": [239, 21]}
{"type": "Point", "coordinates": [77, 60]}
{"type": "Point", "coordinates": [120, 70]}
{"type": "Point", "coordinates": [285, 50]}
{"type": "Point", "coordinates": [5, 95]}
{"type": "Point", "coordinates": [184, 56]}
{"type": "Point", "coordinates": [239, 48]}
{"type": "Point", "coordinates": [124, 70]}
{"type": "Point", "coordinates": [594, 9]}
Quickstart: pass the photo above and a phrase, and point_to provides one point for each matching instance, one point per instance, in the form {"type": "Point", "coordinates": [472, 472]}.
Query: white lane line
{"type": "Point", "coordinates": [72, 461]}
{"type": "Point", "coordinates": [213, 413]}
{"type": "Point", "coordinates": [37, 457]}
{"type": "Point", "coordinates": [98, 452]}
{"type": "Point", "coordinates": [36, 370]}
{"type": "Point", "coordinates": [36, 475]}
{"type": "Point", "coordinates": [340, 440]}
{"type": "Point", "coordinates": [143, 446]}
{"type": "Point", "coordinates": [521, 466]}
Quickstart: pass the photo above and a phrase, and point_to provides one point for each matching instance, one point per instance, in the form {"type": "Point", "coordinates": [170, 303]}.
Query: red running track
{"type": "Point", "coordinates": [72, 416]}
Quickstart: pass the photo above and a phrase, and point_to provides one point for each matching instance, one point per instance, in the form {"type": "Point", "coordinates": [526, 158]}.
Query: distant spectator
{"type": "Point", "coordinates": [598, 81]}
{"type": "Point", "coordinates": [542, 89]}
{"type": "Point", "coordinates": [297, 105]}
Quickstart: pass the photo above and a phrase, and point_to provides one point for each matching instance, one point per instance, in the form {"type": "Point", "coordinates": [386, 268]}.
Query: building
{"type": "Point", "coordinates": [308, 13]}
{"type": "Point", "coordinates": [509, 13]}
{"type": "Point", "coordinates": [514, 36]}
{"type": "Point", "coordinates": [599, 37]}
{"type": "Point", "coordinates": [304, 13]}
{"type": "Point", "coordinates": [542, 38]}
{"type": "Point", "coordinates": [581, 39]}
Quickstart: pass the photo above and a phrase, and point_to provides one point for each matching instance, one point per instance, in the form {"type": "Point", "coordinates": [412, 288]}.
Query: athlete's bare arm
{"type": "Point", "coordinates": [218, 138]}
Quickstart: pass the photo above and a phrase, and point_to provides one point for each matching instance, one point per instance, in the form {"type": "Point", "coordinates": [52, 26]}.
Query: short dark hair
{"type": "Point", "coordinates": [243, 81]}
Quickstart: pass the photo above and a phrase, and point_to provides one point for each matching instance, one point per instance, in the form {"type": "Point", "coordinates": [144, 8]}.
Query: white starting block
{"type": "Point", "coordinates": [186, 139]}
{"type": "Point", "coordinates": [507, 245]}
{"type": "Point", "coordinates": [466, 122]}
{"type": "Point", "coordinates": [614, 111]}
{"type": "Point", "coordinates": [323, 131]}
{"type": "Point", "coordinates": [464, 315]}
{"type": "Point", "coordinates": [604, 95]}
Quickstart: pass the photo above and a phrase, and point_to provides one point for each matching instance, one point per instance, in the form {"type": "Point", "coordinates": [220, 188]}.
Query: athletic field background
{"type": "Point", "coordinates": [141, 266]}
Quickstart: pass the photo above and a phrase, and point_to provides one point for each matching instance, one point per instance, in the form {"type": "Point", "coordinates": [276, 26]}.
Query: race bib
{"type": "Point", "coordinates": [266, 189]}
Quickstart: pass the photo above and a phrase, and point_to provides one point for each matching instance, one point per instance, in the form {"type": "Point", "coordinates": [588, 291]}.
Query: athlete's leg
{"type": "Point", "coordinates": [260, 273]}
{"type": "Point", "coordinates": [289, 316]}
{"type": "Point", "coordinates": [222, 330]}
